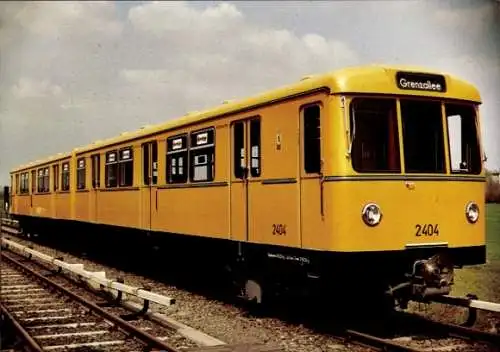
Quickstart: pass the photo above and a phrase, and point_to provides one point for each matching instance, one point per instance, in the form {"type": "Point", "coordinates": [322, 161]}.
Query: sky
{"type": "Point", "coordinates": [75, 72]}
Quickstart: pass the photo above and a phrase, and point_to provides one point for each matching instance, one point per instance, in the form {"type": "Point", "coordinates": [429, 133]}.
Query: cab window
{"type": "Point", "coordinates": [374, 135]}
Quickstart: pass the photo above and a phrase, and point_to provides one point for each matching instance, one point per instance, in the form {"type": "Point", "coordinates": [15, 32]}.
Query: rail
{"type": "Point", "coordinates": [92, 278]}
{"type": "Point", "coordinates": [130, 329]}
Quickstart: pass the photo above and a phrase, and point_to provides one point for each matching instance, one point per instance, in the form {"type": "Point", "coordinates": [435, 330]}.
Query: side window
{"type": "Point", "coordinates": [40, 180]}
{"type": "Point", "coordinates": [96, 171]}
{"type": "Point", "coordinates": [202, 155]}
{"type": "Point", "coordinates": [80, 174]}
{"type": "Point", "coordinates": [65, 177]}
{"type": "Point", "coordinates": [150, 160]}
{"type": "Point", "coordinates": [126, 167]}
{"type": "Point", "coordinates": [312, 139]}
{"type": "Point", "coordinates": [55, 173]}
{"type": "Point", "coordinates": [463, 140]}
{"type": "Point", "coordinates": [111, 169]}
{"type": "Point", "coordinates": [255, 148]}
{"type": "Point", "coordinates": [177, 156]}
{"type": "Point", "coordinates": [18, 189]}
{"type": "Point", "coordinates": [145, 164]}
{"type": "Point", "coordinates": [33, 181]}
{"type": "Point", "coordinates": [239, 149]}
{"type": "Point", "coordinates": [24, 183]}
{"type": "Point", "coordinates": [46, 178]}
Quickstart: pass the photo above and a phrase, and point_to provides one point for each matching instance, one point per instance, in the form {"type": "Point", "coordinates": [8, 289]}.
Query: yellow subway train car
{"type": "Point", "coordinates": [370, 174]}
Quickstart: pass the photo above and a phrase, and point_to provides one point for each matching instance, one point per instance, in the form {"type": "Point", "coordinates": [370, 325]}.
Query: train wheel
{"type": "Point", "coordinates": [253, 291]}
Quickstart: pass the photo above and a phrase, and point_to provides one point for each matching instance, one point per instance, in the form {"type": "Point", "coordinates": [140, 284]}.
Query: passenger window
{"type": "Point", "coordinates": [40, 181]}
{"type": "Point", "coordinates": [18, 189]}
{"type": "Point", "coordinates": [255, 147]}
{"type": "Point", "coordinates": [374, 135]}
{"type": "Point", "coordinates": [154, 146]}
{"type": "Point", "coordinates": [33, 181]}
{"type": "Point", "coordinates": [145, 164]}
{"type": "Point", "coordinates": [111, 169]}
{"type": "Point", "coordinates": [126, 167]}
{"type": "Point", "coordinates": [202, 155]}
{"type": "Point", "coordinates": [80, 174]}
{"type": "Point", "coordinates": [423, 136]}
{"type": "Point", "coordinates": [239, 149]}
{"type": "Point", "coordinates": [65, 177]}
{"type": "Point", "coordinates": [312, 139]}
{"type": "Point", "coordinates": [177, 156]}
{"type": "Point", "coordinates": [46, 178]}
{"type": "Point", "coordinates": [464, 145]}
{"type": "Point", "coordinates": [22, 185]}
{"type": "Point", "coordinates": [96, 171]}
{"type": "Point", "coordinates": [55, 173]}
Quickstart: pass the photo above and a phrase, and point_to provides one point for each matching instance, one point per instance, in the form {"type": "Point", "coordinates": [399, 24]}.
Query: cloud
{"type": "Point", "coordinates": [69, 19]}
{"type": "Point", "coordinates": [30, 88]}
{"type": "Point", "coordinates": [216, 53]}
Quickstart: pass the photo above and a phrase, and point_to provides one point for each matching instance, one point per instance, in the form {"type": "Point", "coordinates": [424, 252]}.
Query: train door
{"type": "Point", "coordinates": [33, 189]}
{"type": "Point", "coordinates": [312, 213]}
{"type": "Point", "coordinates": [96, 184]}
{"type": "Point", "coordinates": [245, 169]}
{"type": "Point", "coordinates": [149, 194]}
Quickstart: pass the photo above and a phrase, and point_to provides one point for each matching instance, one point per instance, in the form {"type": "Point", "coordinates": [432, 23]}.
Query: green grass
{"type": "Point", "coordinates": [484, 280]}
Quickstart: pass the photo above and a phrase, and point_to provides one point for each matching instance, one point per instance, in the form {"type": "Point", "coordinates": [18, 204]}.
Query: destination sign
{"type": "Point", "coordinates": [420, 81]}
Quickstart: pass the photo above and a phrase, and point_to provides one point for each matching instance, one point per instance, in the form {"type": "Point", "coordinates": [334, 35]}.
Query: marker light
{"type": "Point", "coordinates": [472, 212]}
{"type": "Point", "coordinates": [371, 214]}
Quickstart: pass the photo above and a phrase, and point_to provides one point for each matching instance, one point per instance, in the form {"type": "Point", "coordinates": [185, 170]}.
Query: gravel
{"type": "Point", "coordinates": [223, 321]}
{"type": "Point", "coordinates": [232, 324]}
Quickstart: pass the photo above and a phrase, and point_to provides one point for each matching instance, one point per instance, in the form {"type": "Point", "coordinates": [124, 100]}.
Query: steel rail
{"type": "Point", "coordinates": [31, 344]}
{"type": "Point", "coordinates": [455, 330]}
{"type": "Point", "coordinates": [377, 342]}
{"type": "Point", "coordinates": [124, 325]}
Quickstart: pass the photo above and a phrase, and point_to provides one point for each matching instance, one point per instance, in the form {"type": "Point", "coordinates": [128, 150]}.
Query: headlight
{"type": "Point", "coordinates": [371, 214]}
{"type": "Point", "coordinates": [472, 212]}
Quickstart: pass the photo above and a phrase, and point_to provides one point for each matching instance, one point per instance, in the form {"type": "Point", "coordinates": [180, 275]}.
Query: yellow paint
{"type": "Point", "coordinates": [304, 210]}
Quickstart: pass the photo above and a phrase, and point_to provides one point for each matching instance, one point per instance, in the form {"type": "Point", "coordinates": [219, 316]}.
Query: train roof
{"type": "Point", "coordinates": [374, 79]}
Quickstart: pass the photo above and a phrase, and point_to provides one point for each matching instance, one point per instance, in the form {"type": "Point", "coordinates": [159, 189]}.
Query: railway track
{"type": "Point", "coordinates": [48, 316]}
{"type": "Point", "coordinates": [88, 328]}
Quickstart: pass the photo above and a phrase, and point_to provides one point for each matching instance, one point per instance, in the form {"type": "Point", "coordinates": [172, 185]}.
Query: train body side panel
{"type": "Point", "coordinates": [63, 205]}
{"type": "Point", "coordinates": [23, 204]}
{"type": "Point", "coordinates": [82, 199]}
{"type": "Point", "coordinates": [195, 210]}
{"type": "Point", "coordinates": [41, 205]}
{"type": "Point", "coordinates": [119, 207]}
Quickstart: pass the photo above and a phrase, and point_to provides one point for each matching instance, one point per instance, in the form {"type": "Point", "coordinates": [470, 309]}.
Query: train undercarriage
{"type": "Point", "coordinates": [262, 273]}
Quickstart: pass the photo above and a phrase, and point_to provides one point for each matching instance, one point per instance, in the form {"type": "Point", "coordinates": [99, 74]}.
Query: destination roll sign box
{"type": "Point", "coordinates": [420, 81]}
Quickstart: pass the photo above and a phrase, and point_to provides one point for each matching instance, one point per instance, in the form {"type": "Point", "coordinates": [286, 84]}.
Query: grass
{"type": "Point", "coordinates": [484, 280]}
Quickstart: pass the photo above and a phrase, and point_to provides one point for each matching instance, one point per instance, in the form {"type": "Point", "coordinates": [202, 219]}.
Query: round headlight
{"type": "Point", "coordinates": [472, 212]}
{"type": "Point", "coordinates": [371, 214]}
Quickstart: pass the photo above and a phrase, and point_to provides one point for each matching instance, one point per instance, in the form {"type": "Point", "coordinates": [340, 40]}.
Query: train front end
{"type": "Point", "coordinates": [410, 203]}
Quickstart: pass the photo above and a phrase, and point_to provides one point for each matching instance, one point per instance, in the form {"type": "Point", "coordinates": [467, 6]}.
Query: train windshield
{"type": "Point", "coordinates": [375, 137]}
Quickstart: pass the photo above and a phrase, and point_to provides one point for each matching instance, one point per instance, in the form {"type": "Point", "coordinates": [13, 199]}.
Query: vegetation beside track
{"type": "Point", "coordinates": [492, 188]}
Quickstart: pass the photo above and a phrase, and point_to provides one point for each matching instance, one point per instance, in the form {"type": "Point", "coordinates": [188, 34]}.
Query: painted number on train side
{"type": "Point", "coordinates": [279, 229]}
{"type": "Point", "coordinates": [426, 230]}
